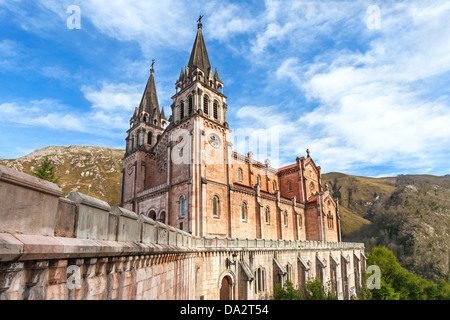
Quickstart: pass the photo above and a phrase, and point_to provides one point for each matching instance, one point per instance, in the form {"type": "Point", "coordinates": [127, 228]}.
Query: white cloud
{"type": "Point", "coordinates": [35, 113]}
{"type": "Point", "coordinates": [372, 109]}
{"type": "Point", "coordinates": [113, 97]}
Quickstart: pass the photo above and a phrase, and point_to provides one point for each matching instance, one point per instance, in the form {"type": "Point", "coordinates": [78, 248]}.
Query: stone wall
{"type": "Point", "coordinates": [81, 248]}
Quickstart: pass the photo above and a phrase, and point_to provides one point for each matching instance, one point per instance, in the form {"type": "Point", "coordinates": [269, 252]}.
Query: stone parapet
{"type": "Point", "coordinates": [27, 204]}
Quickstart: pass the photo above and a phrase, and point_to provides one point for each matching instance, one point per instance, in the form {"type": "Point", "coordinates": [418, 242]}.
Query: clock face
{"type": "Point", "coordinates": [214, 140]}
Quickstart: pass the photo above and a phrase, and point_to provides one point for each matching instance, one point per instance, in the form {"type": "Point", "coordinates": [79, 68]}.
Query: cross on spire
{"type": "Point", "coordinates": [153, 62]}
{"type": "Point", "coordinates": [199, 21]}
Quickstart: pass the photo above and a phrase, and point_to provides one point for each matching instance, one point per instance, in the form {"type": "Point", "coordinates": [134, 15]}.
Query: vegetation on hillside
{"type": "Point", "coordinates": [397, 283]}
{"type": "Point", "coordinates": [410, 217]}
{"type": "Point", "coordinates": [45, 171]}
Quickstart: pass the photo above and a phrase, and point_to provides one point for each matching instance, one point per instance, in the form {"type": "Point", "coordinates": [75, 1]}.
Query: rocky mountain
{"type": "Point", "coordinates": [410, 215]}
{"type": "Point", "coordinates": [94, 171]}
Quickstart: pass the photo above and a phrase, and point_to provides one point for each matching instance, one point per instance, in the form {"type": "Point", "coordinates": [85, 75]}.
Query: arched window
{"type": "Point", "coordinates": [244, 211]}
{"type": "Point", "coordinates": [205, 104]}
{"type": "Point", "coordinates": [162, 217]}
{"type": "Point", "coordinates": [259, 279]}
{"type": "Point", "coordinates": [215, 206]}
{"type": "Point", "coordinates": [181, 110]}
{"type": "Point", "coordinates": [145, 118]}
{"type": "Point", "coordinates": [149, 138]}
{"type": "Point", "coordinates": [285, 218]}
{"type": "Point", "coordinates": [239, 173]}
{"type": "Point", "coordinates": [215, 110]}
{"type": "Point", "coordinates": [190, 105]}
{"type": "Point", "coordinates": [267, 215]}
{"type": "Point", "coordinates": [182, 206]}
{"type": "Point", "coordinates": [152, 214]}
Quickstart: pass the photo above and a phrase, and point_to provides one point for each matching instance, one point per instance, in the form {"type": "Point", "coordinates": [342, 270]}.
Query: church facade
{"type": "Point", "coordinates": [183, 171]}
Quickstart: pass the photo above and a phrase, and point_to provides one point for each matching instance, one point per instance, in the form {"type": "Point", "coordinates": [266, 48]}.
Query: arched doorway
{"type": "Point", "coordinates": [225, 288]}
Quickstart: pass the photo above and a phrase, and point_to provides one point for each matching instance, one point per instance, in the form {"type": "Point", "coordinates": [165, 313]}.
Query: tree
{"type": "Point", "coordinates": [398, 283]}
{"type": "Point", "coordinates": [45, 171]}
{"type": "Point", "coordinates": [313, 291]}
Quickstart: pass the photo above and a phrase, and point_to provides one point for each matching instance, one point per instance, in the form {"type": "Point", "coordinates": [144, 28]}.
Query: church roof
{"type": "Point", "coordinates": [199, 55]}
{"type": "Point", "coordinates": [288, 167]}
{"type": "Point", "coordinates": [149, 102]}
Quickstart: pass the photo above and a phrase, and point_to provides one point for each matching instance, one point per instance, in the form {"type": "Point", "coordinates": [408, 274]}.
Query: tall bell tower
{"type": "Point", "coordinates": [146, 126]}
{"type": "Point", "coordinates": [199, 90]}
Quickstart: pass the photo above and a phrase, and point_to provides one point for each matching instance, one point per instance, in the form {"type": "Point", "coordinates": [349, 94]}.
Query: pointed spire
{"type": "Point", "coordinates": [181, 78]}
{"type": "Point", "coordinates": [199, 55]}
{"type": "Point", "coordinates": [216, 76]}
{"type": "Point", "coordinates": [163, 116]}
{"type": "Point", "coordinates": [149, 100]}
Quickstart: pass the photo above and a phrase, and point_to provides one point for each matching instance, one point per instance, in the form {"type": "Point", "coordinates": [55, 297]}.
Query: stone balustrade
{"type": "Point", "coordinates": [86, 226]}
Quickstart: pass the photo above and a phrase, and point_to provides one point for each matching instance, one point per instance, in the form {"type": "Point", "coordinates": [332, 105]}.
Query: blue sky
{"type": "Point", "coordinates": [316, 74]}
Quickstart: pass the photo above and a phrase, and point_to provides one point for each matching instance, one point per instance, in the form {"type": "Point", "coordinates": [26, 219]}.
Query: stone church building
{"type": "Point", "coordinates": [196, 220]}
{"type": "Point", "coordinates": [184, 173]}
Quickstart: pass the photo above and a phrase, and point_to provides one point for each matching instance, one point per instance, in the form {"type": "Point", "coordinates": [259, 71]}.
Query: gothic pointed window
{"type": "Point", "coordinates": [190, 105]}
{"type": "Point", "coordinates": [215, 110]}
{"type": "Point", "coordinates": [182, 206]}
{"type": "Point", "coordinates": [274, 186]}
{"type": "Point", "coordinates": [285, 218]}
{"type": "Point", "coordinates": [215, 206]}
{"type": "Point", "coordinates": [244, 211]}
{"type": "Point", "coordinates": [181, 110]}
{"type": "Point", "coordinates": [258, 180]}
{"type": "Point", "coordinates": [267, 215]}
{"type": "Point", "coordinates": [205, 105]}
{"type": "Point", "coordinates": [239, 174]}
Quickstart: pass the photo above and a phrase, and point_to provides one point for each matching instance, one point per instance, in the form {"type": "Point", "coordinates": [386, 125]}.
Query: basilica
{"type": "Point", "coordinates": [183, 172]}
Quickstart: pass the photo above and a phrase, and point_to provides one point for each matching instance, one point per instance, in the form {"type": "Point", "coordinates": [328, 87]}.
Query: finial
{"type": "Point", "coordinates": [199, 21]}
{"type": "Point", "coordinates": [153, 62]}
{"type": "Point", "coordinates": [307, 151]}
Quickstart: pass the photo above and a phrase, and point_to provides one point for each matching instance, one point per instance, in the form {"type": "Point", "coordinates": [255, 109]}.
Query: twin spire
{"type": "Point", "coordinates": [149, 103]}
{"type": "Point", "coordinates": [198, 59]}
